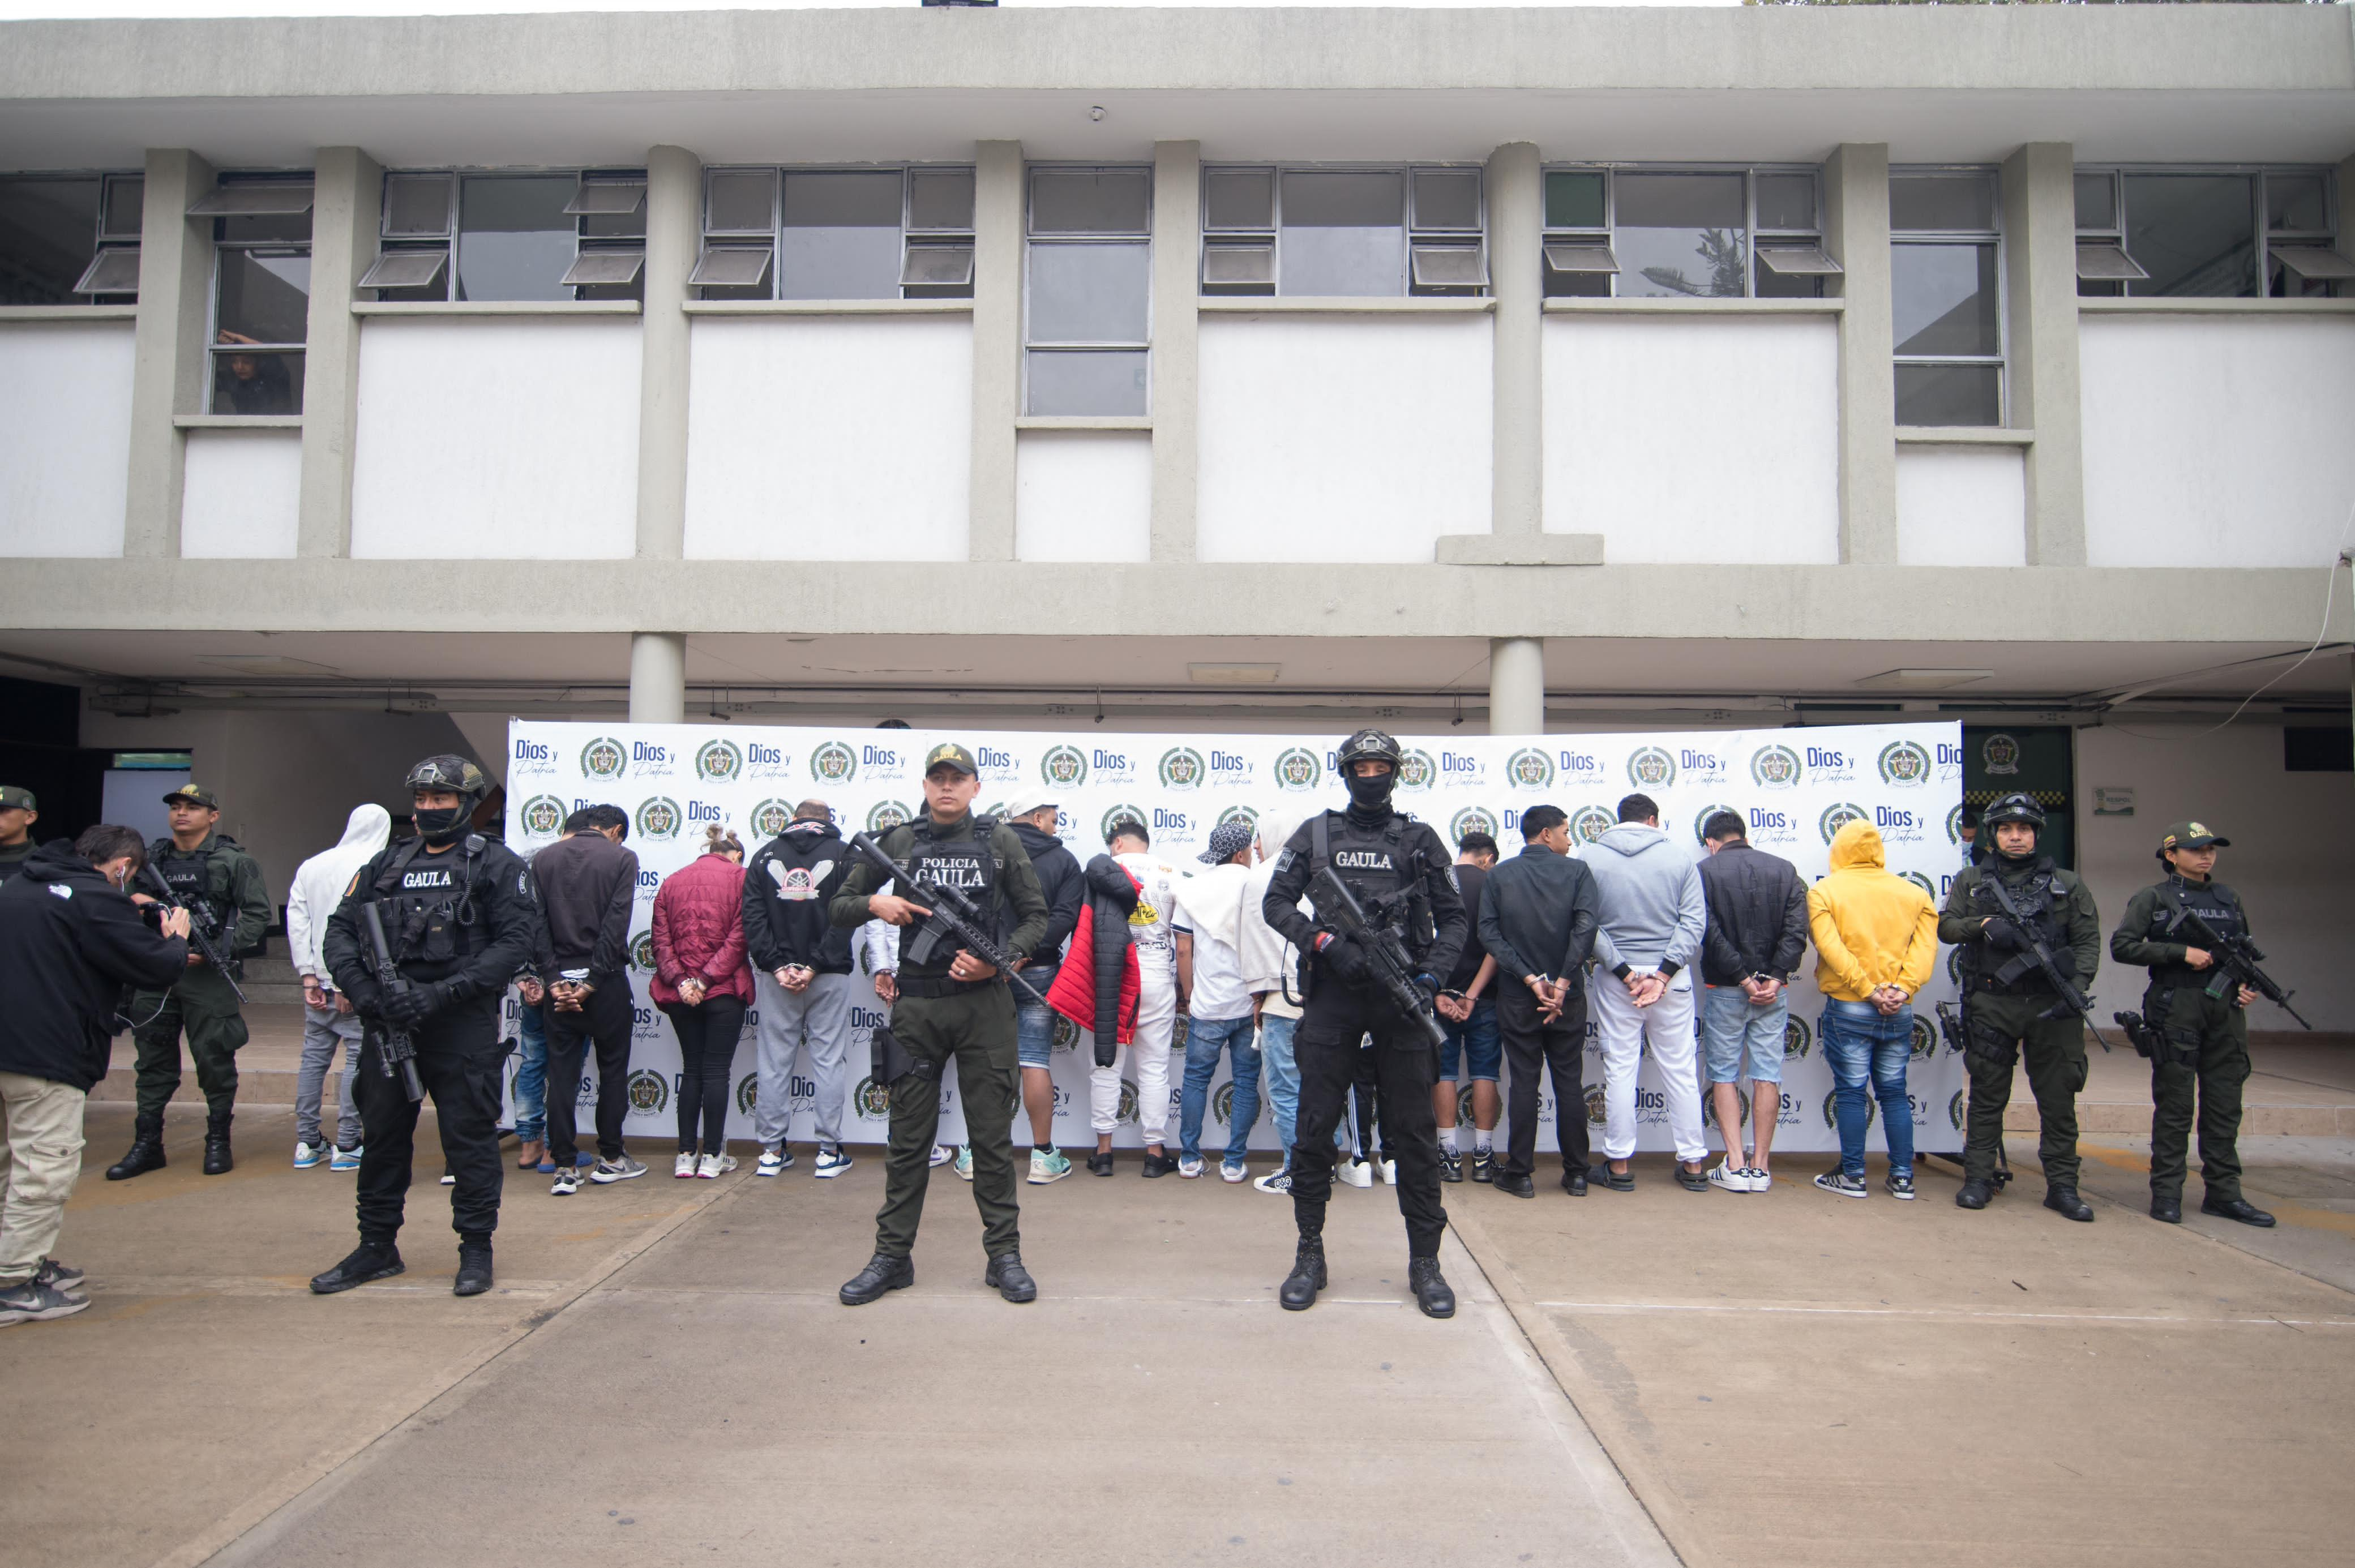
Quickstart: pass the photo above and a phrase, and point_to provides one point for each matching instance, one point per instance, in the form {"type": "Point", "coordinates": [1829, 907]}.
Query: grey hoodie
{"type": "Point", "coordinates": [1653, 912]}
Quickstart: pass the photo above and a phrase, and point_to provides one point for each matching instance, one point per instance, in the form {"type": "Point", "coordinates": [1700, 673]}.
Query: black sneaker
{"type": "Point", "coordinates": [1451, 1165]}
{"type": "Point", "coordinates": [59, 1277]}
{"type": "Point", "coordinates": [1899, 1187]}
{"type": "Point", "coordinates": [1100, 1164]}
{"type": "Point", "coordinates": [364, 1264]}
{"type": "Point", "coordinates": [473, 1269]}
{"type": "Point", "coordinates": [1161, 1163]}
{"type": "Point", "coordinates": [30, 1301]}
{"type": "Point", "coordinates": [1484, 1164]}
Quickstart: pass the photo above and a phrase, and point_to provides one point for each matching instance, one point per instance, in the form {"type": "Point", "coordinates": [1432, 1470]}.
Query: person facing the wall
{"type": "Point", "coordinates": [1651, 922]}
{"type": "Point", "coordinates": [328, 1019]}
{"type": "Point", "coordinates": [702, 986]}
{"type": "Point", "coordinates": [801, 968]}
{"type": "Point", "coordinates": [1876, 945]}
{"type": "Point", "coordinates": [1757, 933]}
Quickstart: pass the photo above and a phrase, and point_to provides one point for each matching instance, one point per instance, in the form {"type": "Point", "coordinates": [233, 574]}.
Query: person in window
{"type": "Point", "coordinates": [257, 383]}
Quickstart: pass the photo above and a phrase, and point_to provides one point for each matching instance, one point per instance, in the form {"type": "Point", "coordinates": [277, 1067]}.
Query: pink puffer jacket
{"type": "Point", "coordinates": [700, 930]}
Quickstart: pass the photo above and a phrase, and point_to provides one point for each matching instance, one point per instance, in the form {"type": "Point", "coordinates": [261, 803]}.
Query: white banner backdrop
{"type": "Point", "coordinates": [1794, 787]}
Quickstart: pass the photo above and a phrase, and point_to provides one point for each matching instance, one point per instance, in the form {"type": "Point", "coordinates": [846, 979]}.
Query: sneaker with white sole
{"type": "Point", "coordinates": [1232, 1173]}
{"type": "Point", "coordinates": [965, 1162]}
{"type": "Point", "coordinates": [566, 1184]}
{"type": "Point", "coordinates": [1899, 1187]}
{"type": "Point", "coordinates": [712, 1167]}
{"type": "Point", "coordinates": [1276, 1182]}
{"type": "Point", "coordinates": [58, 1277]}
{"type": "Point", "coordinates": [30, 1301]}
{"type": "Point", "coordinates": [1730, 1177]}
{"type": "Point", "coordinates": [831, 1162]}
{"type": "Point", "coordinates": [346, 1158]}
{"type": "Point", "coordinates": [621, 1168]}
{"type": "Point", "coordinates": [942, 1153]}
{"type": "Point", "coordinates": [683, 1168]}
{"type": "Point", "coordinates": [1390, 1173]}
{"type": "Point", "coordinates": [1190, 1168]}
{"type": "Point", "coordinates": [449, 1176]}
{"type": "Point", "coordinates": [308, 1154]}
{"type": "Point", "coordinates": [774, 1161]}
{"type": "Point", "coordinates": [1760, 1180]}
{"type": "Point", "coordinates": [1356, 1172]}
{"type": "Point", "coordinates": [1843, 1183]}
{"type": "Point", "coordinates": [1047, 1165]}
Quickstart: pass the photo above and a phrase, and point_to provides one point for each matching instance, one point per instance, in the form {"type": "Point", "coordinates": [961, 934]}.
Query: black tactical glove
{"type": "Point", "coordinates": [1345, 958]}
{"type": "Point", "coordinates": [414, 1003]}
{"type": "Point", "coordinates": [2003, 936]}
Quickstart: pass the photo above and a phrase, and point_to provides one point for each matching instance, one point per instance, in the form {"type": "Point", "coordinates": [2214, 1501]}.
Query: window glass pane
{"type": "Point", "coordinates": [2294, 204]}
{"type": "Point", "coordinates": [1949, 394]}
{"type": "Point", "coordinates": [613, 197]}
{"type": "Point", "coordinates": [940, 199]}
{"type": "Point", "coordinates": [862, 199]}
{"type": "Point", "coordinates": [126, 201]}
{"type": "Point", "coordinates": [115, 272]}
{"type": "Point", "coordinates": [1238, 198]}
{"type": "Point", "coordinates": [49, 232]}
{"type": "Point", "coordinates": [1768, 283]}
{"type": "Point", "coordinates": [257, 383]}
{"type": "Point", "coordinates": [416, 207]}
{"type": "Point", "coordinates": [1065, 382]}
{"type": "Point", "coordinates": [1249, 267]}
{"type": "Point", "coordinates": [1090, 201]}
{"type": "Point", "coordinates": [1944, 299]}
{"type": "Point", "coordinates": [1573, 199]}
{"type": "Point", "coordinates": [938, 267]}
{"type": "Point", "coordinates": [1959, 201]}
{"type": "Point", "coordinates": [1679, 234]}
{"type": "Point", "coordinates": [1786, 202]}
{"type": "Point", "coordinates": [741, 203]}
{"type": "Point", "coordinates": [1089, 294]}
{"type": "Point", "coordinates": [2194, 234]}
{"type": "Point", "coordinates": [1344, 234]}
{"type": "Point", "coordinates": [284, 226]}
{"type": "Point", "coordinates": [265, 296]}
{"type": "Point", "coordinates": [514, 241]}
{"type": "Point", "coordinates": [1448, 267]}
{"type": "Point", "coordinates": [1446, 198]}
{"type": "Point", "coordinates": [2097, 202]}
{"type": "Point", "coordinates": [841, 237]}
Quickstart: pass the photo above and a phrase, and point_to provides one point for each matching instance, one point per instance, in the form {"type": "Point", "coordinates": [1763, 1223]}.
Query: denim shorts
{"type": "Point", "coordinates": [1034, 1032]}
{"type": "Point", "coordinates": [1476, 1041]}
{"type": "Point", "coordinates": [1743, 1040]}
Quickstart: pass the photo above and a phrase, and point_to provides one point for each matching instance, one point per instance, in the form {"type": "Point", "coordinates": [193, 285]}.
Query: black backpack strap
{"type": "Point", "coordinates": [1320, 842]}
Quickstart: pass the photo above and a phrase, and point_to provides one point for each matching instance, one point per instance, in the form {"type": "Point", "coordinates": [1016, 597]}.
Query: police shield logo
{"type": "Point", "coordinates": [642, 952]}
{"type": "Point", "coordinates": [1925, 1039]}
{"type": "Point", "coordinates": [719, 761]}
{"type": "Point", "coordinates": [1954, 827]}
{"type": "Point", "coordinates": [2000, 753]}
{"type": "Point", "coordinates": [770, 818]}
{"type": "Point", "coordinates": [1182, 769]}
{"type": "Point", "coordinates": [542, 817]}
{"type": "Point", "coordinates": [1921, 881]}
{"type": "Point", "coordinates": [1127, 1113]}
{"type": "Point", "coordinates": [1905, 764]}
{"type": "Point", "coordinates": [1838, 815]}
{"type": "Point", "coordinates": [748, 1092]}
{"type": "Point", "coordinates": [605, 758]}
{"type": "Point", "coordinates": [659, 818]}
{"type": "Point", "coordinates": [1797, 1040]}
{"type": "Point", "coordinates": [1417, 771]}
{"type": "Point", "coordinates": [834, 763]}
{"type": "Point", "coordinates": [1298, 770]}
{"type": "Point", "coordinates": [1598, 1111]}
{"type": "Point", "coordinates": [1701, 820]}
{"type": "Point", "coordinates": [886, 814]}
{"type": "Point", "coordinates": [1650, 767]}
{"type": "Point", "coordinates": [1529, 768]}
{"type": "Point", "coordinates": [1589, 823]}
{"type": "Point", "coordinates": [1831, 1111]}
{"type": "Point", "coordinates": [1243, 814]}
{"type": "Point", "coordinates": [1957, 1107]}
{"type": "Point", "coordinates": [872, 1101]}
{"type": "Point", "coordinates": [1223, 1104]}
{"type": "Point", "coordinates": [649, 1092]}
{"type": "Point", "coordinates": [1122, 812]}
{"type": "Point", "coordinates": [1776, 767]}
{"type": "Point", "coordinates": [1709, 1108]}
{"type": "Point", "coordinates": [1471, 819]}
{"type": "Point", "coordinates": [1066, 1035]}
{"type": "Point", "coordinates": [1063, 767]}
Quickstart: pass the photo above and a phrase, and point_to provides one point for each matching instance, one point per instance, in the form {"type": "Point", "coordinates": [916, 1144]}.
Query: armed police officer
{"type": "Point", "coordinates": [460, 917]}
{"type": "Point", "coordinates": [952, 1004]}
{"type": "Point", "coordinates": [2196, 1041]}
{"type": "Point", "coordinates": [222, 888]}
{"type": "Point", "coordinates": [1396, 869]}
{"type": "Point", "coordinates": [2001, 911]}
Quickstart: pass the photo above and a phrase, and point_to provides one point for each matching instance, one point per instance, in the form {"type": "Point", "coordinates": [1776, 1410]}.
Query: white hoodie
{"type": "Point", "coordinates": [319, 888]}
{"type": "Point", "coordinates": [1269, 962]}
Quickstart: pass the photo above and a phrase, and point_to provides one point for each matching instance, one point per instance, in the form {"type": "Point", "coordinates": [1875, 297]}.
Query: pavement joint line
{"type": "Point", "coordinates": [289, 1485]}
{"type": "Point", "coordinates": [1634, 1308]}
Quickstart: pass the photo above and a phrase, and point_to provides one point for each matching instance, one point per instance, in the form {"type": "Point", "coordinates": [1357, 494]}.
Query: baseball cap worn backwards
{"type": "Point", "coordinates": [1228, 839]}
{"type": "Point", "coordinates": [949, 755]}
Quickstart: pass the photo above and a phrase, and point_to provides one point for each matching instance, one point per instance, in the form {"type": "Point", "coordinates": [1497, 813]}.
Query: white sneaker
{"type": "Point", "coordinates": [683, 1168]}
{"type": "Point", "coordinates": [774, 1161]}
{"type": "Point", "coordinates": [1730, 1177]}
{"type": "Point", "coordinates": [714, 1165]}
{"type": "Point", "coordinates": [1390, 1173]}
{"type": "Point", "coordinates": [940, 1152]}
{"type": "Point", "coordinates": [346, 1159]}
{"type": "Point", "coordinates": [566, 1184]}
{"type": "Point", "coordinates": [831, 1162]}
{"type": "Point", "coordinates": [965, 1162]}
{"type": "Point", "coordinates": [1356, 1172]}
{"type": "Point", "coordinates": [1190, 1167]}
{"type": "Point", "coordinates": [621, 1168]}
{"type": "Point", "coordinates": [1760, 1180]}
{"type": "Point", "coordinates": [1277, 1181]}
{"type": "Point", "coordinates": [1232, 1173]}
{"type": "Point", "coordinates": [308, 1154]}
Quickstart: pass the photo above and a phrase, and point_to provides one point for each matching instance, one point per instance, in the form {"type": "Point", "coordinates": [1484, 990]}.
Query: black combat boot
{"type": "Point", "coordinates": [217, 1156]}
{"type": "Point", "coordinates": [146, 1151]}
{"type": "Point", "coordinates": [366, 1262]}
{"type": "Point", "coordinates": [1430, 1292]}
{"type": "Point", "coordinates": [2166, 1209]}
{"type": "Point", "coordinates": [1010, 1279]}
{"type": "Point", "coordinates": [1307, 1276]}
{"type": "Point", "coordinates": [2239, 1208]}
{"type": "Point", "coordinates": [1975, 1194]}
{"type": "Point", "coordinates": [883, 1273]}
{"type": "Point", "coordinates": [473, 1266]}
{"type": "Point", "coordinates": [2064, 1201]}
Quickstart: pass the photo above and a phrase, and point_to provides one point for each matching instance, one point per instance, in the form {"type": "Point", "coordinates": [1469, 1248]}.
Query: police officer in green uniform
{"type": "Point", "coordinates": [2011, 1008]}
{"type": "Point", "coordinates": [18, 812]}
{"type": "Point", "coordinates": [206, 868]}
{"type": "Point", "coordinates": [2197, 1041]}
{"type": "Point", "coordinates": [958, 1008]}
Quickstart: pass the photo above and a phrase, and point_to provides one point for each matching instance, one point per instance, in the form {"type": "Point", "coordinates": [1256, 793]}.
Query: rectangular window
{"type": "Point", "coordinates": [561, 235]}
{"type": "Point", "coordinates": [1088, 291]}
{"type": "Point", "coordinates": [70, 239]}
{"type": "Point", "coordinates": [837, 234]}
{"type": "Point", "coordinates": [1344, 232]}
{"type": "Point", "coordinates": [1947, 296]}
{"type": "Point", "coordinates": [2217, 232]}
{"type": "Point", "coordinates": [262, 291]}
{"type": "Point", "coordinates": [1642, 232]}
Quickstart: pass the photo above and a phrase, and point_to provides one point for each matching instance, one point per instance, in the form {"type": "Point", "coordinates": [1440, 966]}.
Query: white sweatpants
{"type": "Point", "coordinates": [1157, 1023]}
{"type": "Point", "coordinates": [1622, 1028]}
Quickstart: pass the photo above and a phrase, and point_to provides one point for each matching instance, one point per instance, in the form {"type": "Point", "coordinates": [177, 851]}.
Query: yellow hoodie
{"type": "Point", "coordinates": [1872, 927]}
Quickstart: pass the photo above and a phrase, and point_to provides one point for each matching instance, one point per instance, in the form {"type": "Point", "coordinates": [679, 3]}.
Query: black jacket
{"type": "Point", "coordinates": [587, 886]}
{"type": "Point", "coordinates": [1061, 879]}
{"type": "Point", "coordinates": [1468, 880]}
{"type": "Point", "coordinates": [72, 943]}
{"type": "Point", "coordinates": [1757, 916]}
{"type": "Point", "coordinates": [791, 880]}
{"type": "Point", "coordinates": [1537, 915]}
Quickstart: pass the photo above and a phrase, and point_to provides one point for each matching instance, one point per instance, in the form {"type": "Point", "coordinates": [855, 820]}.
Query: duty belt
{"type": "Point", "coordinates": [917, 986]}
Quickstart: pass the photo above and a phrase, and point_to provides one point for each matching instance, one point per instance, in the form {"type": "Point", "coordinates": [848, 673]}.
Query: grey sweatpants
{"type": "Point", "coordinates": [323, 1029]}
{"type": "Point", "coordinates": [822, 1013]}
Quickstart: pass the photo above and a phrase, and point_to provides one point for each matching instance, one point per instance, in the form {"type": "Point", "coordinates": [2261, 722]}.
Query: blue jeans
{"type": "Point", "coordinates": [1857, 1041]}
{"type": "Point", "coordinates": [531, 1077]}
{"type": "Point", "coordinates": [1477, 1041]}
{"type": "Point", "coordinates": [1034, 1033]}
{"type": "Point", "coordinates": [1205, 1037]}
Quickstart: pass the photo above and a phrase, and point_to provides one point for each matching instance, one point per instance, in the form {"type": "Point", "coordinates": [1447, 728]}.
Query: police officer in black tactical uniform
{"type": "Point", "coordinates": [462, 918]}
{"type": "Point", "coordinates": [1386, 858]}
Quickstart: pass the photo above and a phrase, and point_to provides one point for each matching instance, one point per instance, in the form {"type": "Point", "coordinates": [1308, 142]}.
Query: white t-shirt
{"type": "Point", "coordinates": [1219, 992]}
{"type": "Point", "coordinates": [1150, 930]}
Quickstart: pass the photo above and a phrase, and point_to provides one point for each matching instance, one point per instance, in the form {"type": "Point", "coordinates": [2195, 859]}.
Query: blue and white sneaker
{"type": "Point", "coordinates": [1841, 1182]}
{"type": "Point", "coordinates": [346, 1158]}
{"type": "Point", "coordinates": [941, 1154]}
{"type": "Point", "coordinates": [307, 1154]}
{"type": "Point", "coordinates": [774, 1161]}
{"type": "Point", "coordinates": [965, 1162]}
{"type": "Point", "coordinates": [1190, 1167]}
{"type": "Point", "coordinates": [831, 1162]}
{"type": "Point", "coordinates": [1277, 1181]}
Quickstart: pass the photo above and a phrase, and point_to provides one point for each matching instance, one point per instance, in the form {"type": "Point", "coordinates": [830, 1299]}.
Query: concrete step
{"type": "Point", "coordinates": [2303, 1085]}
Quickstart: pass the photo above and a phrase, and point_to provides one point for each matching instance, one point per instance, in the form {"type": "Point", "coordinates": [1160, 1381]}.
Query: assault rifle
{"type": "Point", "coordinates": [956, 919]}
{"type": "Point", "coordinates": [397, 1051]}
{"type": "Point", "coordinates": [1385, 951]}
{"type": "Point", "coordinates": [2235, 961]}
{"type": "Point", "coordinates": [204, 926]}
{"type": "Point", "coordinates": [2040, 956]}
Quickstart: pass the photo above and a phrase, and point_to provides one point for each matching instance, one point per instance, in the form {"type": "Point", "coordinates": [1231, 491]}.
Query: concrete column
{"type": "Point", "coordinates": [1516, 685]}
{"type": "Point", "coordinates": [167, 378]}
{"type": "Point", "coordinates": [1177, 242]}
{"type": "Point", "coordinates": [657, 678]}
{"type": "Point", "coordinates": [996, 347]}
{"type": "Point", "coordinates": [2039, 249]}
{"type": "Point", "coordinates": [1516, 227]}
{"type": "Point", "coordinates": [1855, 232]}
{"type": "Point", "coordinates": [673, 235]}
{"type": "Point", "coordinates": [345, 206]}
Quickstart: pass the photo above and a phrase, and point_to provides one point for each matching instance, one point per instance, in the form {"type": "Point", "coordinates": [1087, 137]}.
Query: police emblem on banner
{"type": "Point", "coordinates": [719, 761]}
{"type": "Point", "coordinates": [1182, 768]}
{"type": "Point", "coordinates": [1925, 1039]}
{"type": "Point", "coordinates": [748, 1092]}
{"type": "Point", "coordinates": [834, 763]}
{"type": "Point", "coordinates": [648, 1090]}
{"type": "Point", "coordinates": [1296, 769]}
{"type": "Point", "coordinates": [1701, 820]}
{"type": "Point", "coordinates": [1709, 1108]}
{"type": "Point", "coordinates": [1838, 815]}
{"type": "Point", "coordinates": [605, 758]}
{"type": "Point", "coordinates": [1954, 827]}
{"type": "Point", "coordinates": [1776, 767]}
{"type": "Point", "coordinates": [1463, 1109]}
{"type": "Point", "coordinates": [1128, 1113]}
{"type": "Point", "coordinates": [1417, 771]}
{"type": "Point", "coordinates": [771, 817]}
{"type": "Point", "coordinates": [1063, 767]}
{"type": "Point", "coordinates": [886, 814]}
{"type": "Point", "coordinates": [1796, 1039]}
{"type": "Point", "coordinates": [1955, 967]}
{"type": "Point", "coordinates": [1831, 1111]}
{"type": "Point", "coordinates": [659, 818]}
{"type": "Point", "coordinates": [542, 817]}
{"type": "Point", "coordinates": [1650, 767]}
{"type": "Point", "coordinates": [1529, 768]}
{"type": "Point", "coordinates": [871, 1100]}
{"type": "Point", "coordinates": [1223, 1104]}
{"type": "Point", "coordinates": [642, 952]}
{"type": "Point", "coordinates": [1598, 1110]}
{"type": "Point", "coordinates": [1120, 813]}
{"type": "Point", "coordinates": [1957, 1107]}
{"type": "Point", "coordinates": [1589, 823]}
{"type": "Point", "coordinates": [1066, 1034]}
{"type": "Point", "coordinates": [1905, 764]}
{"type": "Point", "coordinates": [2000, 753]}
{"type": "Point", "coordinates": [1921, 881]}
{"type": "Point", "coordinates": [1471, 819]}
{"type": "Point", "coordinates": [1243, 814]}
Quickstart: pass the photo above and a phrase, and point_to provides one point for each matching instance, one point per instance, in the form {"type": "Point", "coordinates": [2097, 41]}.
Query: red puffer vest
{"type": "Point", "coordinates": [700, 930]}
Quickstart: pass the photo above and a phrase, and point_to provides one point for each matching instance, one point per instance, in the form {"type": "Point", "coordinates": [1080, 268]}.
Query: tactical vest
{"type": "Point", "coordinates": [1380, 868]}
{"type": "Point", "coordinates": [2039, 898]}
{"type": "Point", "coordinates": [430, 915]}
{"type": "Point", "coordinates": [966, 864]}
{"type": "Point", "coordinates": [2217, 904]}
{"type": "Point", "coordinates": [190, 877]}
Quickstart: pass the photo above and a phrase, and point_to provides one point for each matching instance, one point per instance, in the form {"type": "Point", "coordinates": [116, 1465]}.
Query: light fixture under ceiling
{"type": "Point", "coordinates": [1923, 679]}
{"type": "Point", "coordinates": [1233, 674]}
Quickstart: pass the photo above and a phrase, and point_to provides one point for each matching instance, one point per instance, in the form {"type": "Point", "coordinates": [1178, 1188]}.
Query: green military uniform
{"type": "Point", "coordinates": [937, 1019]}
{"type": "Point", "coordinates": [226, 879]}
{"type": "Point", "coordinates": [2004, 1017]}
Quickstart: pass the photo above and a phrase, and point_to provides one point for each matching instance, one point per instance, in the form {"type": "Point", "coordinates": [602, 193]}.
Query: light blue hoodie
{"type": "Point", "coordinates": [1653, 913]}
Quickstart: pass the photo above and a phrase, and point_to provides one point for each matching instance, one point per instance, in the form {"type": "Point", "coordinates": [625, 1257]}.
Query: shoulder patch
{"type": "Point", "coordinates": [354, 885]}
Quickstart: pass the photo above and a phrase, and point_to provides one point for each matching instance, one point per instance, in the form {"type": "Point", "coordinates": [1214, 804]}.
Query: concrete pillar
{"type": "Point", "coordinates": [1516, 227]}
{"type": "Point", "coordinates": [1177, 232]}
{"type": "Point", "coordinates": [673, 235]}
{"type": "Point", "coordinates": [2039, 249]}
{"type": "Point", "coordinates": [997, 346]}
{"type": "Point", "coordinates": [1855, 232]}
{"type": "Point", "coordinates": [657, 678]}
{"type": "Point", "coordinates": [346, 205]}
{"type": "Point", "coordinates": [1516, 685]}
{"type": "Point", "coordinates": [167, 378]}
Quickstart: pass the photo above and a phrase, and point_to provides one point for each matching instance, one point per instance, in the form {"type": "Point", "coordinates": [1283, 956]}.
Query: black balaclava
{"type": "Point", "coordinates": [447, 824]}
{"type": "Point", "coordinates": [1370, 797]}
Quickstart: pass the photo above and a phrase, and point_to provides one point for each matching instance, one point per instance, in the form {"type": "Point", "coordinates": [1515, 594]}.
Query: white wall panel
{"type": "Point", "coordinates": [1962, 506]}
{"type": "Point", "coordinates": [1083, 495]}
{"type": "Point", "coordinates": [65, 436]}
{"type": "Point", "coordinates": [2217, 440]}
{"type": "Point", "coordinates": [1695, 438]}
{"type": "Point", "coordinates": [243, 493]}
{"type": "Point", "coordinates": [497, 438]}
{"type": "Point", "coordinates": [1351, 437]}
{"type": "Point", "coordinates": [843, 438]}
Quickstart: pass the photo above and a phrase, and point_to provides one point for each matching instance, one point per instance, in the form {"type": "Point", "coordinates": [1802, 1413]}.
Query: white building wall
{"type": "Point", "coordinates": [1344, 437]}
{"type": "Point", "coordinates": [65, 436]}
{"type": "Point", "coordinates": [2217, 440]}
{"type": "Point", "coordinates": [843, 438]}
{"type": "Point", "coordinates": [1685, 438]}
{"type": "Point", "coordinates": [243, 493]}
{"type": "Point", "coordinates": [1083, 495]}
{"type": "Point", "coordinates": [1962, 506]}
{"type": "Point", "coordinates": [496, 438]}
